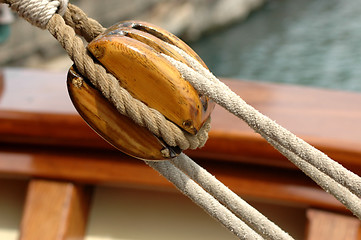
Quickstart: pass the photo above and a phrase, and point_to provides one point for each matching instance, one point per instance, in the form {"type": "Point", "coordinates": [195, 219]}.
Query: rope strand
{"type": "Point", "coordinates": [232, 201]}
{"type": "Point", "coordinates": [276, 135]}
{"type": "Point", "coordinates": [205, 82]}
{"type": "Point", "coordinates": [38, 12]}
{"type": "Point", "coordinates": [81, 23]}
{"type": "Point", "coordinates": [203, 199]}
{"type": "Point", "coordinates": [340, 192]}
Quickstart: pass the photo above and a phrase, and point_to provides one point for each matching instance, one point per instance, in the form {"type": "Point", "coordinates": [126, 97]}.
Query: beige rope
{"type": "Point", "coordinates": [340, 192]}
{"type": "Point", "coordinates": [81, 23]}
{"type": "Point", "coordinates": [320, 167]}
{"type": "Point", "coordinates": [205, 82]}
{"type": "Point", "coordinates": [232, 201]}
{"type": "Point", "coordinates": [205, 200]}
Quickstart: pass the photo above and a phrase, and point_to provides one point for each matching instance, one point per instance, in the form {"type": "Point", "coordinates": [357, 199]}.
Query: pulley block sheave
{"type": "Point", "coordinates": [132, 52]}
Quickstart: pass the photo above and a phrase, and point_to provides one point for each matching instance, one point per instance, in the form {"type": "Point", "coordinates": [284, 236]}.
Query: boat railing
{"type": "Point", "coordinates": [44, 142]}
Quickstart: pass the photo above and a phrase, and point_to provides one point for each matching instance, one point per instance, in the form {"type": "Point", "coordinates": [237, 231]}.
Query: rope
{"type": "Point", "coordinates": [320, 167]}
{"type": "Point", "coordinates": [81, 23]}
{"type": "Point", "coordinates": [232, 201]}
{"type": "Point", "coordinates": [38, 12]}
{"type": "Point", "coordinates": [340, 192]}
{"type": "Point", "coordinates": [203, 199]}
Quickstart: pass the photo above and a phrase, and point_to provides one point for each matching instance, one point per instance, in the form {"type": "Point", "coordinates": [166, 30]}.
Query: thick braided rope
{"type": "Point", "coordinates": [81, 23]}
{"type": "Point", "coordinates": [38, 12]}
{"type": "Point", "coordinates": [203, 199]}
{"type": "Point", "coordinates": [276, 135]}
{"type": "Point", "coordinates": [117, 95]}
{"type": "Point", "coordinates": [232, 201]}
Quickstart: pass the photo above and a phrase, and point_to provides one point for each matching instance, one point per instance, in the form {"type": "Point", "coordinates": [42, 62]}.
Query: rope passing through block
{"type": "Point", "coordinates": [241, 232]}
{"type": "Point", "coordinates": [182, 171]}
{"type": "Point", "coordinates": [330, 175]}
{"type": "Point", "coordinates": [134, 56]}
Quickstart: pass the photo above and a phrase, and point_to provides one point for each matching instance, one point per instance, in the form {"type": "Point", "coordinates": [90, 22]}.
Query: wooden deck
{"type": "Point", "coordinates": [43, 140]}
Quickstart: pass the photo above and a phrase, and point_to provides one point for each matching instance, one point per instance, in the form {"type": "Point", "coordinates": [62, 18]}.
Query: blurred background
{"type": "Point", "coordinates": [314, 43]}
{"type": "Point", "coordinates": [304, 42]}
{"type": "Point", "coordinates": [28, 46]}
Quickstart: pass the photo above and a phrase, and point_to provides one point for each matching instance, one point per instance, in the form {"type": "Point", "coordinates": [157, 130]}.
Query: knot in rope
{"type": "Point", "coordinates": [36, 12]}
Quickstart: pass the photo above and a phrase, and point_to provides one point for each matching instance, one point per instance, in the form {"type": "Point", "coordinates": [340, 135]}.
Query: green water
{"type": "Point", "coordinates": [306, 42]}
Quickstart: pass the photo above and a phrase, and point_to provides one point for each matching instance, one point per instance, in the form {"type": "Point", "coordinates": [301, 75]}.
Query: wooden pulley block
{"type": "Point", "coordinates": [132, 52]}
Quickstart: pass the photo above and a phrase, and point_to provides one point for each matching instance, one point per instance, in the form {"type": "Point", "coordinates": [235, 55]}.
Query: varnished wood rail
{"type": "Point", "coordinates": [43, 138]}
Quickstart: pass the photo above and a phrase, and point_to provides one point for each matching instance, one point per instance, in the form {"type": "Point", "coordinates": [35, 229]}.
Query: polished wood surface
{"type": "Point", "coordinates": [117, 129]}
{"type": "Point", "coordinates": [135, 58]}
{"type": "Point", "coordinates": [161, 34]}
{"type": "Point", "coordinates": [115, 168]}
{"type": "Point", "coordinates": [324, 225]}
{"type": "Point", "coordinates": [54, 210]}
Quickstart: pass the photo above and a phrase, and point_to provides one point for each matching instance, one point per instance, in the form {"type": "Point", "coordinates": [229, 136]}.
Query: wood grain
{"type": "Point", "coordinates": [324, 225]}
{"type": "Point", "coordinates": [114, 168]}
{"type": "Point", "coordinates": [149, 77]}
{"type": "Point", "coordinates": [54, 210]}
{"type": "Point", "coordinates": [117, 129]}
{"type": "Point", "coordinates": [161, 34]}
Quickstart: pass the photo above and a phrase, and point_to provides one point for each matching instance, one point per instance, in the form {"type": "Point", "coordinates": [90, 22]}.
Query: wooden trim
{"type": "Point", "coordinates": [327, 119]}
{"type": "Point", "coordinates": [324, 225]}
{"type": "Point", "coordinates": [54, 210]}
{"type": "Point", "coordinates": [113, 168]}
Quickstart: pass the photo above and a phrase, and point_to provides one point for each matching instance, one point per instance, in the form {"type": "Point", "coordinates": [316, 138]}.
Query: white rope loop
{"type": "Point", "coordinates": [38, 12]}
